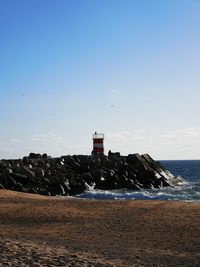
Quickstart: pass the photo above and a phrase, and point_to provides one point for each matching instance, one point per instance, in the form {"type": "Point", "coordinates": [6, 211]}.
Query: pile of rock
{"type": "Point", "coordinates": [72, 175]}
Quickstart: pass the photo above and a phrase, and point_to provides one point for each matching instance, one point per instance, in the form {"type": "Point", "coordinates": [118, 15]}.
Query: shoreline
{"type": "Point", "coordinates": [54, 231]}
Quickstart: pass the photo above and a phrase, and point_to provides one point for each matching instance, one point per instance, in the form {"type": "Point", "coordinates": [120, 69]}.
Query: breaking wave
{"type": "Point", "coordinates": [187, 192]}
{"type": "Point", "coordinates": [190, 191]}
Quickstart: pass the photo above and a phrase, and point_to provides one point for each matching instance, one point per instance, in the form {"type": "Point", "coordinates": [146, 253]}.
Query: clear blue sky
{"type": "Point", "coordinates": [127, 68]}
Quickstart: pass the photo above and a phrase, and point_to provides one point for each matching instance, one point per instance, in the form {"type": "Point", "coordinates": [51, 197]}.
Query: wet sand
{"type": "Point", "coordinates": [52, 231]}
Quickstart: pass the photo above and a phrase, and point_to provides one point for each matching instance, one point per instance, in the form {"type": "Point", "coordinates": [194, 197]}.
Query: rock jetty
{"type": "Point", "coordinates": [72, 175]}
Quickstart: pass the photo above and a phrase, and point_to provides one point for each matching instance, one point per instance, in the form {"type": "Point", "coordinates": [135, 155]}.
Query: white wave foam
{"type": "Point", "coordinates": [187, 192]}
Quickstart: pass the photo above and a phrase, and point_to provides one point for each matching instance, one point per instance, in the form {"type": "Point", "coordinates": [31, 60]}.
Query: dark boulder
{"type": "Point", "coordinates": [72, 175]}
{"type": "Point", "coordinates": [19, 177]}
{"type": "Point", "coordinates": [44, 156]}
{"type": "Point", "coordinates": [27, 171]}
{"type": "Point", "coordinates": [1, 186]}
{"type": "Point", "coordinates": [3, 180]}
{"type": "Point", "coordinates": [34, 156]}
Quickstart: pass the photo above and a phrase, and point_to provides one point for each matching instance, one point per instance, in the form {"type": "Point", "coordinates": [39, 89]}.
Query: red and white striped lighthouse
{"type": "Point", "coordinates": [98, 147]}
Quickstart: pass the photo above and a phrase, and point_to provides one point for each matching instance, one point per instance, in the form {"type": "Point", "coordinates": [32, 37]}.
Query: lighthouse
{"type": "Point", "coordinates": [98, 147]}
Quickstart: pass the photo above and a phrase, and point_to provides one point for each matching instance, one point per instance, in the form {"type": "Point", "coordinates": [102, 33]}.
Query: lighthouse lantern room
{"type": "Point", "coordinates": [98, 147]}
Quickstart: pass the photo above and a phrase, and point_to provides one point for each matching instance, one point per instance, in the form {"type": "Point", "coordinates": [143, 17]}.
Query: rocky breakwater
{"type": "Point", "coordinates": [72, 175]}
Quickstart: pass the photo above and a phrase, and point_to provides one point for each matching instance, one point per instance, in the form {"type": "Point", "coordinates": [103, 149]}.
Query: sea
{"type": "Point", "coordinates": [189, 191]}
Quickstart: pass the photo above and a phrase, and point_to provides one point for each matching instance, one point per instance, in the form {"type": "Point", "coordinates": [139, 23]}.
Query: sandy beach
{"type": "Point", "coordinates": [51, 231]}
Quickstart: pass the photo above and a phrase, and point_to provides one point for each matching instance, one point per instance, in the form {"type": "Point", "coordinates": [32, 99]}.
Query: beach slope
{"type": "Point", "coordinates": [52, 231]}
